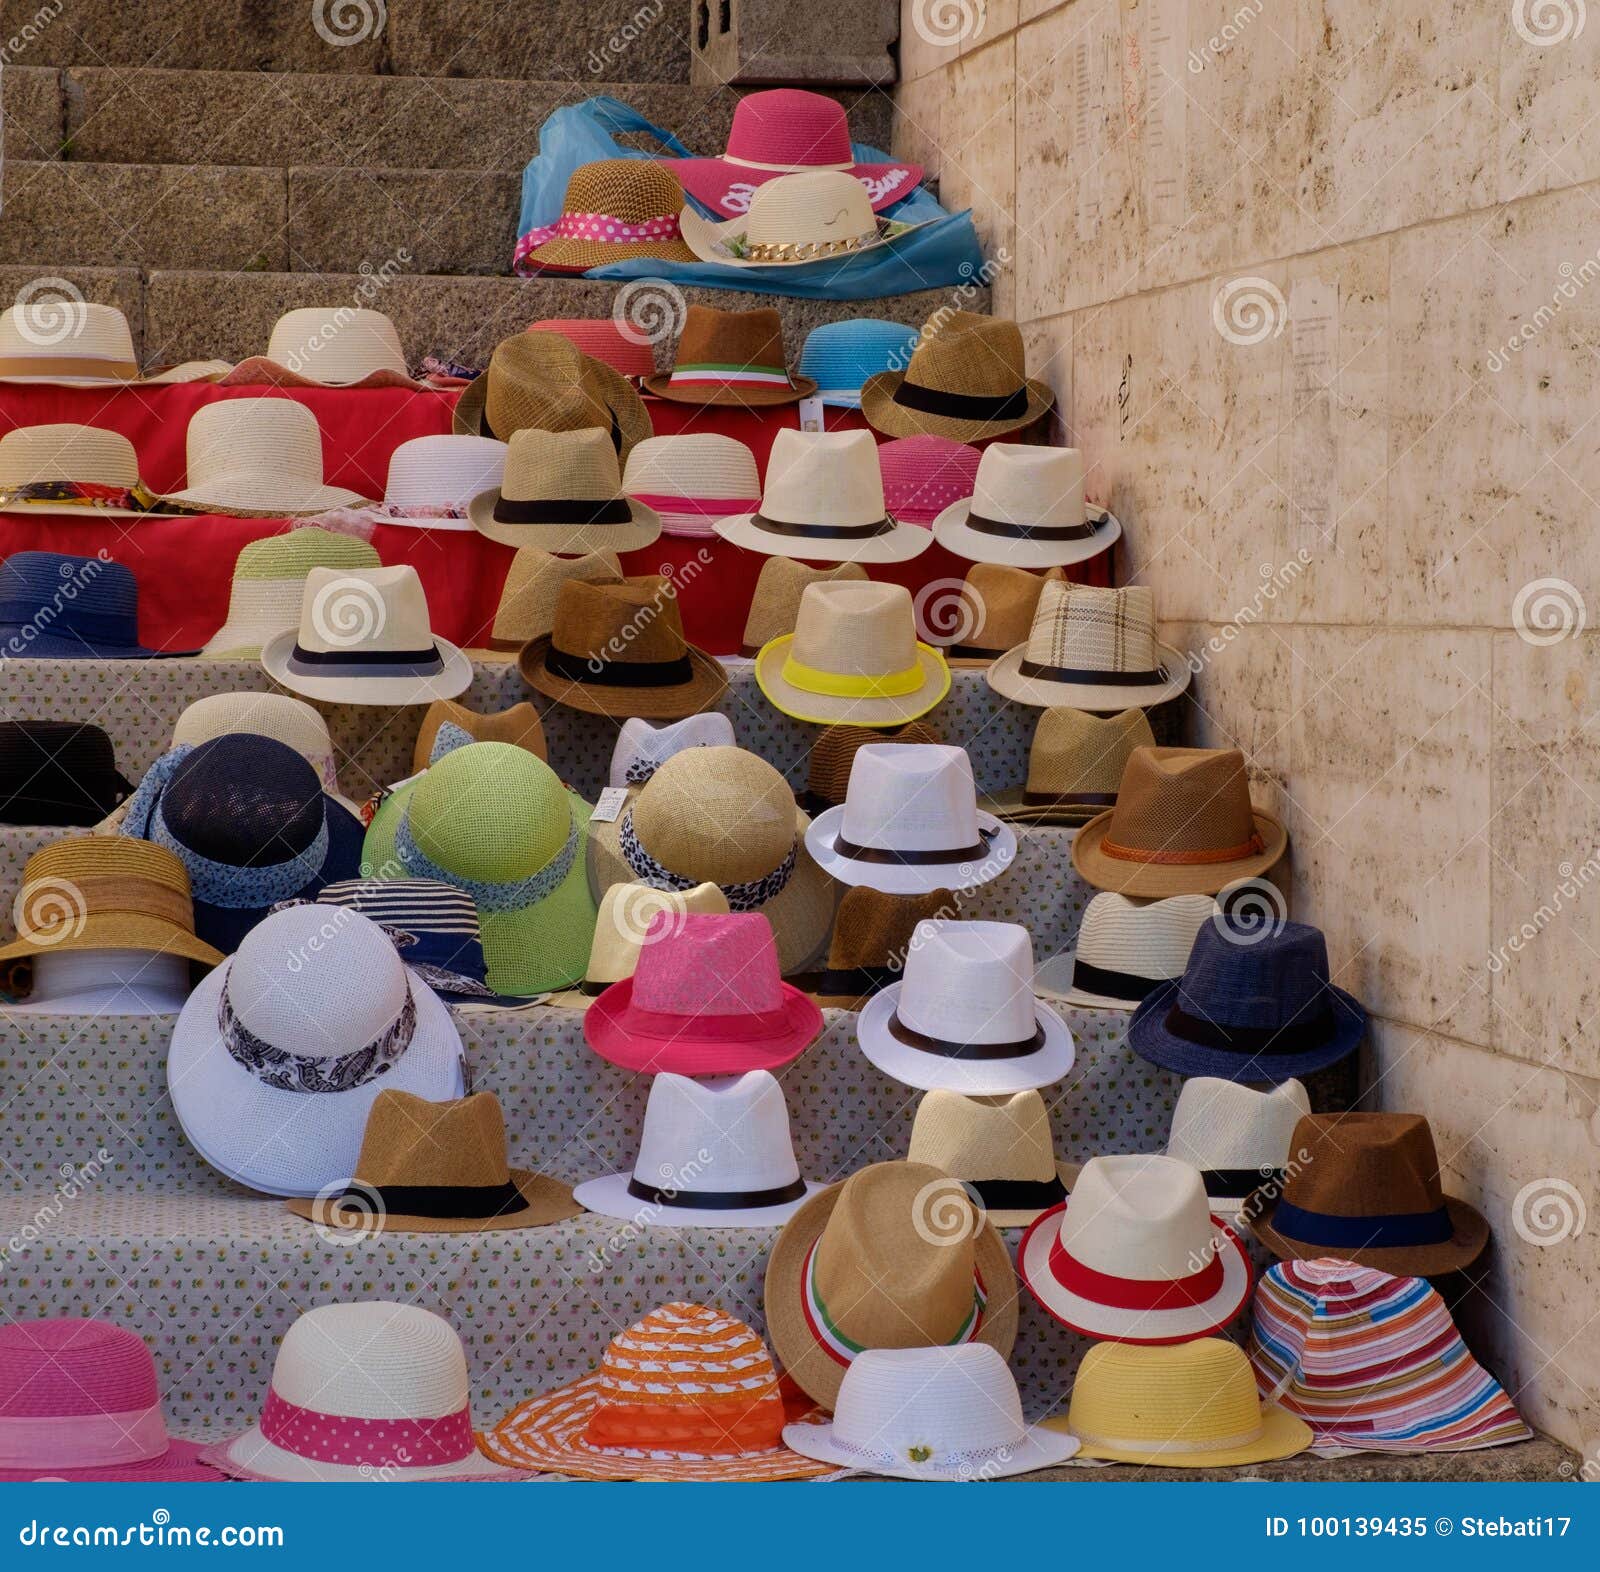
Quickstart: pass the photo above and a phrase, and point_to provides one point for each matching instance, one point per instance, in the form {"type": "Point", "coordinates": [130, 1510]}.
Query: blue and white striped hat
{"type": "Point", "coordinates": [840, 356]}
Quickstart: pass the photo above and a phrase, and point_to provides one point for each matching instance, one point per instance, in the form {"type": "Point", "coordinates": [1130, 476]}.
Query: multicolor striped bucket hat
{"type": "Point", "coordinates": [1373, 1362]}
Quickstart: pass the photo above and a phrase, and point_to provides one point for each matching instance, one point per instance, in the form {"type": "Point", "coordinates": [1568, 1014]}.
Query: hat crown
{"type": "Point", "coordinates": [924, 474]}
{"type": "Point", "coordinates": [87, 857]}
{"type": "Point", "coordinates": [351, 610]}
{"type": "Point", "coordinates": [642, 748]}
{"type": "Point", "coordinates": [787, 127]}
{"type": "Point", "coordinates": [61, 451]}
{"type": "Point", "coordinates": [295, 553]}
{"type": "Point", "coordinates": [708, 964]}
{"type": "Point", "coordinates": [443, 470]}
{"type": "Point", "coordinates": [72, 1368]}
{"type": "Point", "coordinates": [527, 607]}
{"type": "Point", "coordinates": [567, 466]}
{"type": "Point", "coordinates": [855, 628]}
{"type": "Point", "coordinates": [969, 982]}
{"type": "Point", "coordinates": [875, 930]}
{"type": "Point", "coordinates": [372, 1359]}
{"type": "Point", "coordinates": [491, 811]}
{"type": "Point", "coordinates": [276, 436]}
{"type": "Point", "coordinates": [817, 206]}
{"type": "Point", "coordinates": [780, 587]}
{"type": "Point", "coordinates": [626, 924]}
{"type": "Point", "coordinates": [995, 608]}
{"type": "Point", "coordinates": [1144, 1217]}
{"type": "Point", "coordinates": [336, 343]}
{"type": "Point", "coordinates": [630, 189]}
{"type": "Point", "coordinates": [603, 340]}
{"type": "Point", "coordinates": [910, 796]}
{"type": "Point", "coordinates": [411, 1141]}
{"type": "Point", "coordinates": [290, 721]}
{"type": "Point", "coordinates": [742, 339]}
{"type": "Point", "coordinates": [1222, 1124]}
{"type": "Point", "coordinates": [1197, 1394]}
{"type": "Point", "coordinates": [717, 814]}
{"type": "Point", "coordinates": [1143, 938]}
{"type": "Point", "coordinates": [929, 1405]}
{"type": "Point", "coordinates": [543, 382]}
{"type": "Point", "coordinates": [967, 353]}
{"type": "Point", "coordinates": [1076, 752]}
{"type": "Point", "coordinates": [1088, 629]}
{"type": "Point", "coordinates": [1022, 483]}
{"type": "Point", "coordinates": [69, 588]}
{"type": "Point", "coordinates": [62, 329]}
{"type": "Point", "coordinates": [636, 621]}
{"type": "Point", "coordinates": [823, 477]}
{"type": "Point", "coordinates": [1183, 800]}
{"type": "Point", "coordinates": [840, 356]}
{"type": "Point", "coordinates": [693, 464]}
{"type": "Point", "coordinates": [722, 1134]}
{"type": "Point", "coordinates": [979, 1139]}
{"type": "Point", "coordinates": [1365, 1165]}
{"type": "Point", "coordinates": [245, 801]}
{"type": "Point", "coordinates": [1261, 982]}
{"type": "Point", "coordinates": [834, 754]}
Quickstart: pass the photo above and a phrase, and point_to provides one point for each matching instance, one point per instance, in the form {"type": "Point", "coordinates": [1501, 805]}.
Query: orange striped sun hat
{"type": "Point", "coordinates": [688, 1393]}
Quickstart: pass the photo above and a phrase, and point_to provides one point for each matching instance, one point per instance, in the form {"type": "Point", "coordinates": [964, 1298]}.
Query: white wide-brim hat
{"type": "Point", "coordinates": [610, 1197]}
{"type": "Point", "coordinates": [956, 535]}
{"type": "Point", "coordinates": [893, 878]}
{"type": "Point", "coordinates": [899, 544]}
{"type": "Point", "coordinates": [452, 679]}
{"type": "Point", "coordinates": [1038, 1449]}
{"type": "Point", "coordinates": [1005, 677]}
{"type": "Point", "coordinates": [293, 1143]}
{"type": "Point", "coordinates": [930, 1072]}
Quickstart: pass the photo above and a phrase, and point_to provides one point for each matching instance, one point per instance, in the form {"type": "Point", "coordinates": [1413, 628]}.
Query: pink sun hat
{"type": "Point", "coordinates": [706, 998]}
{"type": "Point", "coordinates": [781, 132]}
{"type": "Point", "coordinates": [924, 475]}
{"type": "Point", "coordinates": [79, 1401]}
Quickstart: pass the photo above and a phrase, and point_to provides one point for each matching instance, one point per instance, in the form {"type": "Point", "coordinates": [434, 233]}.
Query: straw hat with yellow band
{"type": "Point", "coordinates": [105, 893]}
{"type": "Point", "coordinates": [527, 608]}
{"type": "Point", "coordinates": [448, 726]}
{"type": "Point", "coordinates": [854, 656]}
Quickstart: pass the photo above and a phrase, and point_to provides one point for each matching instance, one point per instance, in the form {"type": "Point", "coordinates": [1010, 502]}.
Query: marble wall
{"type": "Point", "coordinates": [1317, 285]}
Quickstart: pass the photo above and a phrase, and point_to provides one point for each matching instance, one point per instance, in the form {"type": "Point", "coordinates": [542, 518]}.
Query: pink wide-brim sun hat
{"type": "Point", "coordinates": [181, 1465]}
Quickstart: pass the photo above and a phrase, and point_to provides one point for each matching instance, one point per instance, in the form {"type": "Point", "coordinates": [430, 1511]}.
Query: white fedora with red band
{"type": "Point", "coordinates": [1134, 1255]}
{"type": "Point", "coordinates": [367, 1391]}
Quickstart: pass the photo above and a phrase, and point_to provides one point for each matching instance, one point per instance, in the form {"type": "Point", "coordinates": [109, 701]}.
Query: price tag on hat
{"type": "Point", "coordinates": [811, 413]}
{"type": "Point", "coordinates": [609, 808]}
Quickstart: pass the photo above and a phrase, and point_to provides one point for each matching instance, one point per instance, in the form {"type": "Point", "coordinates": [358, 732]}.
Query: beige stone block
{"type": "Point", "coordinates": [1048, 346]}
{"type": "Point", "coordinates": [977, 166]}
{"type": "Point", "coordinates": [930, 34]}
{"type": "Point", "coordinates": [988, 21]}
{"type": "Point", "coordinates": [1241, 696]}
{"type": "Point", "coordinates": [1549, 97]}
{"type": "Point", "coordinates": [918, 112]}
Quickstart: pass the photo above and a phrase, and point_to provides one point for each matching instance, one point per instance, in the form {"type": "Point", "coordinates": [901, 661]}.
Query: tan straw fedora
{"type": "Point", "coordinates": [1075, 765]}
{"type": "Point", "coordinates": [871, 936]}
{"type": "Point", "coordinates": [731, 357]}
{"type": "Point", "coordinates": [993, 611]}
{"type": "Point", "coordinates": [563, 492]}
{"type": "Point", "coordinates": [834, 753]}
{"type": "Point", "coordinates": [257, 456]}
{"type": "Point", "coordinates": [448, 725]}
{"type": "Point", "coordinates": [727, 817]}
{"type": "Point", "coordinates": [80, 343]}
{"type": "Point", "coordinates": [823, 502]}
{"type": "Point", "coordinates": [618, 649]}
{"type": "Point", "coordinates": [437, 1168]}
{"type": "Point", "coordinates": [330, 346]}
{"type": "Point", "coordinates": [1000, 1148]}
{"type": "Point", "coordinates": [71, 468]}
{"type": "Point", "coordinates": [853, 656]}
{"type": "Point", "coordinates": [544, 382]}
{"type": "Point", "coordinates": [1183, 824]}
{"type": "Point", "coordinates": [1092, 649]}
{"type": "Point", "coordinates": [614, 210]}
{"type": "Point", "coordinates": [775, 605]}
{"type": "Point", "coordinates": [967, 380]}
{"type": "Point", "coordinates": [527, 608]}
{"type": "Point", "coordinates": [822, 215]}
{"type": "Point", "coordinates": [895, 1257]}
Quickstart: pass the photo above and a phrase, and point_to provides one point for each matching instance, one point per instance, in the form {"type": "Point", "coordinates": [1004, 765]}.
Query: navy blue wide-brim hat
{"type": "Point", "coordinates": [1250, 1006]}
{"type": "Point", "coordinates": [59, 607]}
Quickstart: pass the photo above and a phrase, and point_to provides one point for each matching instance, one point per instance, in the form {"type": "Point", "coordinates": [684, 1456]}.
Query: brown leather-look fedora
{"type": "Point", "coordinates": [731, 357]}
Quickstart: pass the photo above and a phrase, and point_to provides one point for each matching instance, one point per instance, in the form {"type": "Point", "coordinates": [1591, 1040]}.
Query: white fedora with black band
{"type": "Point", "coordinates": [963, 1017]}
{"type": "Point", "coordinates": [910, 823]}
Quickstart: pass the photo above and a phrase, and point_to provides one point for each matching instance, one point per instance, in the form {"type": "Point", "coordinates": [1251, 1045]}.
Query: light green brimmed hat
{"type": "Point", "coordinates": [495, 821]}
{"type": "Point", "coordinates": [269, 578]}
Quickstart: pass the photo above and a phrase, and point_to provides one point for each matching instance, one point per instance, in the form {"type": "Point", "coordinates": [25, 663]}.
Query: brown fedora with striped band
{"type": "Point", "coordinates": [731, 357]}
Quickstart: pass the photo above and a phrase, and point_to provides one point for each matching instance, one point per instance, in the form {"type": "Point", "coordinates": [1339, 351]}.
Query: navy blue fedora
{"type": "Point", "coordinates": [1252, 1005]}
{"type": "Point", "coordinates": [56, 607]}
{"type": "Point", "coordinates": [248, 818]}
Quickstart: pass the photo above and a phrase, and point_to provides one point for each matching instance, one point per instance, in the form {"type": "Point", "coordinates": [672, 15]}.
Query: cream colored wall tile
{"type": "Point", "coordinates": [929, 35]}
{"type": "Point", "coordinates": [978, 149]}
{"type": "Point", "coordinates": [1049, 349]}
{"type": "Point", "coordinates": [918, 116]}
{"type": "Point", "coordinates": [987, 20]}
{"type": "Point", "coordinates": [1241, 696]}
{"type": "Point", "coordinates": [1549, 98]}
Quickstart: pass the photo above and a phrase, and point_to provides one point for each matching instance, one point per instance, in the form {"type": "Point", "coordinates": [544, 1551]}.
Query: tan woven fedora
{"type": "Point", "coordinates": [1001, 1148]}
{"type": "Point", "coordinates": [448, 725]}
{"type": "Point", "coordinates": [527, 608]}
{"type": "Point", "coordinates": [1075, 765]}
{"type": "Point", "coordinates": [563, 492]}
{"type": "Point", "coordinates": [895, 1257]}
{"type": "Point", "coordinates": [871, 936]}
{"type": "Point", "coordinates": [437, 1168]}
{"type": "Point", "coordinates": [727, 817]}
{"type": "Point", "coordinates": [617, 648]}
{"type": "Point", "coordinates": [853, 656]}
{"type": "Point", "coordinates": [1183, 825]}
{"type": "Point", "coordinates": [834, 752]}
{"type": "Point", "coordinates": [967, 379]}
{"type": "Point", "coordinates": [993, 612]}
{"type": "Point", "coordinates": [823, 502]}
{"type": "Point", "coordinates": [1092, 649]}
{"type": "Point", "coordinates": [71, 468]}
{"type": "Point", "coordinates": [544, 382]}
{"type": "Point", "coordinates": [1027, 509]}
{"type": "Point", "coordinates": [614, 210]}
{"type": "Point", "coordinates": [80, 343]}
{"type": "Point", "coordinates": [257, 456]}
{"type": "Point", "coordinates": [731, 357]}
{"type": "Point", "coordinates": [775, 605]}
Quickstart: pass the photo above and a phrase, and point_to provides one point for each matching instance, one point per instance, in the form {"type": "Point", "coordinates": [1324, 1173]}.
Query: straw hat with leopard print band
{"type": "Point", "coordinates": [731, 357]}
{"type": "Point", "coordinates": [896, 1256]}
{"type": "Point", "coordinates": [1075, 765]}
{"type": "Point", "coordinates": [1092, 649]}
{"type": "Point", "coordinates": [527, 608]}
{"type": "Point", "coordinates": [614, 210]}
{"type": "Point", "coordinates": [967, 380]}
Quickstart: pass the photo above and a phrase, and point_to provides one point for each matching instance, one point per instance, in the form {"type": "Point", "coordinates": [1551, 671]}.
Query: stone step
{"type": "Point", "coordinates": [33, 122]}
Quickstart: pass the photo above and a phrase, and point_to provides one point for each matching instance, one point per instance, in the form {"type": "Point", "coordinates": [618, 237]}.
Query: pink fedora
{"type": "Point", "coordinates": [706, 998]}
{"type": "Point", "coordinates": [603, 339]}
{"type": "Point", "coordinates": [78, 1401]}
{"type": "Point", "coordinates": [924, 475]}
{"type": "Point", "coordinates": [779, 133]}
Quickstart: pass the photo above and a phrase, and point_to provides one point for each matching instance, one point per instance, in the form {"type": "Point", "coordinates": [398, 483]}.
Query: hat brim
{"type": "Point", "coordinates": [610, 1197]}
{"type": "Point", "coordinates": [56, 646]}
{"type": "Point", "coordinates": [74, 510]}
{"type": "Point", "coordinates": [572, 255]}
{"type": "Point", "coordinates": [1039, 1448]}
{"type": "Point", "coordinates": [1156, 879]}
{"type": "Point", "coordinates": [1116, 1324]}
{"type": "Point", "coordinates": [895, 420]}
{"type": "Point", "coordinates": [133, 999]}
{"type": "Point", "coordinates": [956, 535]}
{"type": "Point", "coordinates": [1282, 1435]}
{"type": "Point", "coordinates": [931, 1072]}
{"type": "Point", "coordinates": [452, 679]}
{"type": "Point", "coordinates": [529, 949]}
{"type": "Point", "coordinates": [545, 1436]}
{"type": "Point", "coordinates": [181, 1464]}
{"type": "Point", "coordinates": [900, 544]}
{"type": "Point", "coordinates": [187, 371]}
{"type": "Point", "coordinates": [1469, 1236]}
{"type": "Point", "coordinates": [263, 496]}
{"type": "Point", "coordinates": [1005, 677]}
{"type": "Point", "coordinates": [1052, 979]}
{"type": "Point", "coordinates": [1010, 806]}
{"type": "Point", "coordinates": [262, 371]}
{"type": "Point", "coordinates": [802, 1357]}
{"type": "Point", "coordinates": [1149, 1038]}
{"type": "Point", "coordinates": [252, 1456]}
{"type": "Point", "coordinates": [546, 1201]}
{"type": "Point", "coordinates": [733, 395]}
{"type": "Point", "coordinates": [292, 1143]}
{"type": "Point", "coordinates": [704, 689]}
{"type": "Point", "coordinates": [801, 913]}
{"type": "Point", "coordinates": [896, 879]}
{"type": "Point", "coordinates": [728, 187]}
{"type": "Point", "coordinates": [617, 1032]}
{"type": "Point", "coordinates": [120, 931]}
{"type": "Point", "coordinates": [708, 239]}
{"type": "Point", "coordinates": [566, 540]}
{"type": "Point", "coordinates": [825, 709]}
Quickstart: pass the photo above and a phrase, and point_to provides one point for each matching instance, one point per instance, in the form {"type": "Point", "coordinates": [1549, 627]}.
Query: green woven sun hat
{"type": "Point", "coordinates": [269, 576]}
{"type": "Point", "coordinates": [495, 821]}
